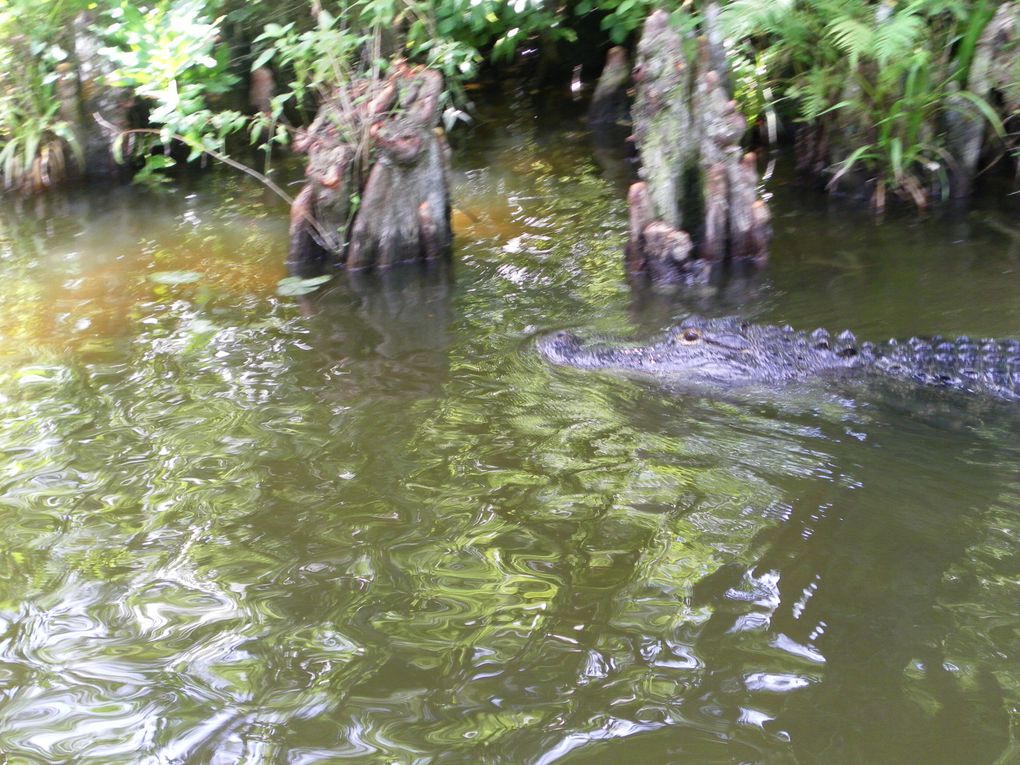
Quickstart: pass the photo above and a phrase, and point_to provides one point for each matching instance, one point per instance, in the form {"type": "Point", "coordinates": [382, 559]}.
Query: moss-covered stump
{"type": "Point", "coordinates": [694, 175]}
{"type": "Point", "coordinates": [378, 178]}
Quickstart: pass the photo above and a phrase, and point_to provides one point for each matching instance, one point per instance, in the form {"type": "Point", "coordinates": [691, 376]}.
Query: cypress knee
{"type": "Point", "coordinates": [378, 187]}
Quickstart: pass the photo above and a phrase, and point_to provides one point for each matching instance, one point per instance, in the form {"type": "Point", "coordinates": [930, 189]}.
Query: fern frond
{"type": "Point", "coordinates": [744, 18]}
{"type": "Point", "coordinates": [815, 93]}
{"type": "Point", "coordinates": [853, 37]}
{"type": "Point", "coordinates": [896, 37]}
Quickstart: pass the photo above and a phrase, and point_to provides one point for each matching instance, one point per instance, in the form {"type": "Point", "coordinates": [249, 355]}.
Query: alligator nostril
{"type": "Point", "coordinates": [558, 343]}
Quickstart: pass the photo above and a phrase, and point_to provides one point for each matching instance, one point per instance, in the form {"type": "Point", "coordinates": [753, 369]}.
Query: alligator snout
{"type": "Point", "coordinates": [560, 347]}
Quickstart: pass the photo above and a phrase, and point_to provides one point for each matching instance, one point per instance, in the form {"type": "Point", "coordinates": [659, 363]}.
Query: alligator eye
{"type": "Point", "coordinates": [691, 335]}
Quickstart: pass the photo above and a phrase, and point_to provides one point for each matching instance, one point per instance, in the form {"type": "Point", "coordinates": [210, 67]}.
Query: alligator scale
{"type": "Point", "coordinates": [730, 352]}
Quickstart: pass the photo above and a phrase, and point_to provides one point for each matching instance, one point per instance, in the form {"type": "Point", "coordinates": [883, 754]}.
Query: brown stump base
{"type": "Point", "coordinates": [378, 178]}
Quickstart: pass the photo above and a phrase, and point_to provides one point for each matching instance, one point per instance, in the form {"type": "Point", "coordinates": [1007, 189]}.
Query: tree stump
{"type": "Point", "coordinates": [694, 175]}
{"type": "Point", "coordinates": [378, 177]}
{"type": "Point", "coordinates": [609, 101]}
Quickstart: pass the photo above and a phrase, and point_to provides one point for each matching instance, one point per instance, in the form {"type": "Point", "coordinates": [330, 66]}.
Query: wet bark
{"type": "Point", "coordinates": [378, 178]}
{"type": "Point", "coordinates": [609, 101]}
{"type": "Point", "coordinates": [694, 175]}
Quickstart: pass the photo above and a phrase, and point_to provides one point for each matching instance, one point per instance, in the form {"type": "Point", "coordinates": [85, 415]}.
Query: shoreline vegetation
{"type": "Point", "coordinates": [881, 100]}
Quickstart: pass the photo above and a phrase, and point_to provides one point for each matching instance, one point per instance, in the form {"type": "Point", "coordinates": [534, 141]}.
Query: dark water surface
{"type": "Point", "coordinates": [374, 526]}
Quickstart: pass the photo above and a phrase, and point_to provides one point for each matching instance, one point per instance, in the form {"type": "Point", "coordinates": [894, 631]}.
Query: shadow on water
{"type": "Point", "coordinates": [856, 577]}
{"type": "Point", "coordinates": [853, 632]}
{"type": "Point", "coordinates": [614, 152]}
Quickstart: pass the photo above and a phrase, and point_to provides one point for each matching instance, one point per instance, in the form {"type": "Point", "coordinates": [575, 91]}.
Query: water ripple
{"type": "Point", "coordinates": [373, 525]}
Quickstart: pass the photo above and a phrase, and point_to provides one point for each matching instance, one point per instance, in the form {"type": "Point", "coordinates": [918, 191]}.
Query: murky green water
{"type": "Point", "coordinates": [374, 526]}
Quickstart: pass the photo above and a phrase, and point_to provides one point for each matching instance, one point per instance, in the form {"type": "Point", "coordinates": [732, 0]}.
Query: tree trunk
{"type": "Point", "coordinates": [992, 69]}
{"type": "Point", "coordinates": [664, 130]}
{"type": "Point", "coordinates": [378, 179]}
{"type": "Point", "coordinates": [609, 101]}
{"type": "Point", "coordinates": [694, 173]}
{"type": "Point", "coordinates": [97, 98]}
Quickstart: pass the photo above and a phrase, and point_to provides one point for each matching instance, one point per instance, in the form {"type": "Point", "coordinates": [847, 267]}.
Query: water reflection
{"type": "Point", "coordinates": [613, 150]}
{"type": "Point", "coordinates": [374, 526]}
{"type": "Point", "coordinates": [849, 586]}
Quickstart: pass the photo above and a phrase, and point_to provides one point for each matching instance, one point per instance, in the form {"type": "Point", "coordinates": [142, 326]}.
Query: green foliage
{"type": "Point", "coordinates": [168, 54]}
{"type": "Point", "coordinates": [347, 40]}
{"type": "Point", "coordinates": [321, 58]}
{"type": "Point", "coordinates": [876, 77]}
{"type": "Point", "coordinates": [501, 26]}
{"type": "Point", "coordinates": [881, 42]}
{"type": "Point", "coordinates": [972, 21]}
{"type": "Point", "coordinates": [620, 18]}
{"type": "Point", "coordinates": [34, 138]}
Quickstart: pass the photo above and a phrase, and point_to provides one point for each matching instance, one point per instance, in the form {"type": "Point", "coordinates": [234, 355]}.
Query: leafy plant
{"type": "Point", "coordinates": [321, 58]}
{"type": "Point", "coordinates": [168, 55]}
{"type": "Point", "coordinates": [295, 286]}
{"type": "Point", "coordinates": [502, 27]}
{"type": "Point", "coordinates": [621, 18]}
{"type": "Point", "coordinates": [875, 77]}
{"type": "Point", "coordinates": [36, 142]}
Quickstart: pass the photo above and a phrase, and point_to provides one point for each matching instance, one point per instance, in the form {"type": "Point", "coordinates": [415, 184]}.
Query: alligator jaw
{"type": "Point", "coordinates": [567, 349]}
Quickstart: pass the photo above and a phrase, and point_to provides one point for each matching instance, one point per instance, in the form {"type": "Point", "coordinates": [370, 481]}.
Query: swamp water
{"type": "Point", "coordinates": [373, 525]}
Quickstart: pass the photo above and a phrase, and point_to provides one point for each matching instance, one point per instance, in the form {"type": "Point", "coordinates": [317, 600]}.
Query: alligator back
{"type": "Point", "coordinates": [730, 352]}
{"type": "Point", "coordinates": [988, 366]}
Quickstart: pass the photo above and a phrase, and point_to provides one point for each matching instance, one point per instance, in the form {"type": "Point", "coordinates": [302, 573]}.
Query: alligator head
{"type": "Point", "coordinates": [730, 352]}
{"type": "Point", "coordinates": [714, 351]}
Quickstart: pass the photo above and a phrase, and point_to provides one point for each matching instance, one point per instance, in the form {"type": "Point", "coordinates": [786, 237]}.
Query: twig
{"type": "Point", "coordinates": [260, 177]}
{"type": "Point", "coordinates": [263, 179]}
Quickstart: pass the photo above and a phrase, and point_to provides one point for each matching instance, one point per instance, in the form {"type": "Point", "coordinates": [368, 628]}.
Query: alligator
{"type": "Point", "coordinates": [730, 352]}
